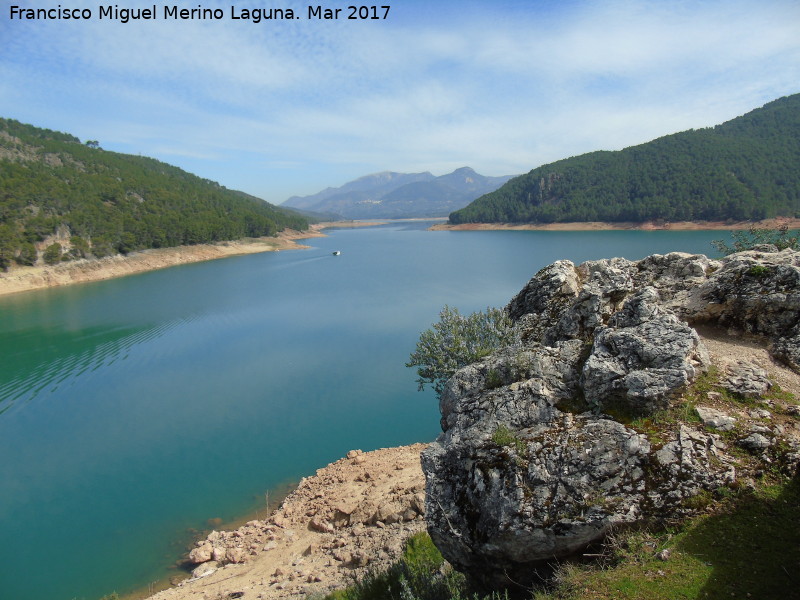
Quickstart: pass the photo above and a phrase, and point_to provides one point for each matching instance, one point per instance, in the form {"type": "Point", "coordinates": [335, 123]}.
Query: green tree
{"type": "Point", "coordinates": [52, 254]}
{"type": "Point", "coordinates": [8, 244]}
{"type": "Point", "coordinates": [457, 341]}
{"type": "Point", "coordinates": [80, 247]}
{"type": "Point", "coordinates": [27, 254]}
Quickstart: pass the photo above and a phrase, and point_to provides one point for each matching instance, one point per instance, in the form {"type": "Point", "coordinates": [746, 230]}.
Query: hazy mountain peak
{"type": "Point", "coordinates": [389, 194]}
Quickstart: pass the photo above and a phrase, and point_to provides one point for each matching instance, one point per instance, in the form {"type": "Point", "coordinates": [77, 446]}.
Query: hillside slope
{"type": "Point", "coordinates": [743, 169]}
{"type": "Point", "coordinates": [61, 199]}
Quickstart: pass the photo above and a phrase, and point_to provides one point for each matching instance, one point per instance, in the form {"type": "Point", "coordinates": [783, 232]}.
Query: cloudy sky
{"type": "Point", "coordinates": [279, 108]}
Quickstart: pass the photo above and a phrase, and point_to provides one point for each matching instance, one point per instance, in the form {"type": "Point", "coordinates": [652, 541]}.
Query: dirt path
{"type": "Point", "coordinates": [725, 349]}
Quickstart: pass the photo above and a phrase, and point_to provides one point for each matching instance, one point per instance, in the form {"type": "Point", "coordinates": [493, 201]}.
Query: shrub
{"type": "Point", "coordinates": [781, 238]}
{"type": "Point", "coordinates": [457, 341]}
{"type": "Point", "coordinates": [52, 254]}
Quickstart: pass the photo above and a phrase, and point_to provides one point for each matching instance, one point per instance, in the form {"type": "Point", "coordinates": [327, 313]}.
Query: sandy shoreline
{"type": "Point", "coordinates": [622, 226]}
{"type": "Point", "coordinates": [23, 279]}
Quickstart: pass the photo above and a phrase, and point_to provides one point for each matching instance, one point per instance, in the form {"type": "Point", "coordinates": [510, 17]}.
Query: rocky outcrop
{"type": "Point", "coordinates": [540, 454]}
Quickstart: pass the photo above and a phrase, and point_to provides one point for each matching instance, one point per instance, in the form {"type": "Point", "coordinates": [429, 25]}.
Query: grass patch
{"type": "Point", "coordinates": [503, 436]}
{"type": "Point", "coordinates": [494, 379]}
{"type": "Point", "coordinates": [421, 574]}
{"type": "Point", "coordinates": [749, 549]}
{"type": "Point", "coordinates": [658, 426]}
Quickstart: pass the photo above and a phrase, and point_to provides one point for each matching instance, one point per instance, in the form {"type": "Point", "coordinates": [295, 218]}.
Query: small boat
{"type": "Point", "coordinates": [336, 252]}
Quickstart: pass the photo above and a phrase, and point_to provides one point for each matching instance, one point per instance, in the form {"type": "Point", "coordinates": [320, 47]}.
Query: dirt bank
{"type": "Point", "coordinates": [601, 226]}
{"type": "Point", "coordinates": [22, 279]}
{"type": "Point", "coordinates": [353, 515]}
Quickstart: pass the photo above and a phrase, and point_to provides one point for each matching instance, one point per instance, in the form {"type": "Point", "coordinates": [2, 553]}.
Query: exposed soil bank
{"type": "Point", "coordinates": [22, 279]}
{"type": "Point", "coordinates": [348, 518]}
{"type": "Point", "coordinates": [601, 225]}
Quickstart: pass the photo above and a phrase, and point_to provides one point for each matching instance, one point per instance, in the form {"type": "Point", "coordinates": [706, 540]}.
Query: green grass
{"type": "Point", "coordinates": [503, 436]}
{"type": "Point", "coordinates": [421, 574]}
{"type": "Point", "coordinates": [749, 547]}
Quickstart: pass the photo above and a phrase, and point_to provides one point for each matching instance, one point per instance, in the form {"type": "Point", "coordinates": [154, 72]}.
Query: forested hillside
{"type": "Point", "coordinates": [86, 201]}
{"type": "Point", "coordinates": [746, 168]}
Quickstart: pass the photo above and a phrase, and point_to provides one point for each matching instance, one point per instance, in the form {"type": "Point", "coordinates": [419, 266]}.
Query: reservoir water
{"type": "Point", "coordinates": [133, 411]}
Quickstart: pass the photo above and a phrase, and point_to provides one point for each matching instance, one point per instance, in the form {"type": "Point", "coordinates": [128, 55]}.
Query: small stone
{"type": "Point", "coordinates": [715, 418]}
{"type": "Point", "coordinates": [747, 379]}
{"type": "Point", "coordinates": [205, 569]}
{"type": "Point", "coordinates": [755, 441]}
{"type": "Point", "coordinates": [760, 413]}
{"type": "Point", "coordinates": [236, 555]}
{"type": "Point", "coordinates": [201, 554]}
{"type": "Point", "coordinates": [343, 557]}
{"type": "Point", "coordinates": [218, 553]}
{"type": "Point", "coordinates": [664, 554]}
{"type": "Point", "coordinates": [321, 525]}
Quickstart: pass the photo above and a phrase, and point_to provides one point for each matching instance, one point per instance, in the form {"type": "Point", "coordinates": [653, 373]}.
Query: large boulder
{"type": "Point", "coordinates": [537, 458]}
{"type": "Point", "coordinates": [642, 358]}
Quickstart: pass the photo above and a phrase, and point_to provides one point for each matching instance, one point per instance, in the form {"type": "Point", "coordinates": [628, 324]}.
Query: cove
{"type": "Point", "coordinates": [135, 410]}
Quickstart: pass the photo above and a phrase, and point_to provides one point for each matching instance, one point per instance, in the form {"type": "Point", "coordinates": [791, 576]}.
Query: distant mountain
{"type": "Point", "coordinates": [400, 195]}
{"type": "Point", "coordinates": [61, 199]}
{"type": "Point", "coordinates": [746, 168]}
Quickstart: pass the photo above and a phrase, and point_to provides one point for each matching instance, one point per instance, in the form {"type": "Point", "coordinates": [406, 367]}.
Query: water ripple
{"type": "Point", "coordinates": [69, 357]}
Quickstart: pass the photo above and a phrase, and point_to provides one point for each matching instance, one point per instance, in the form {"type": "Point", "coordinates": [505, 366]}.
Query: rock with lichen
{"type": "Point", "coordinates": [537, 457]}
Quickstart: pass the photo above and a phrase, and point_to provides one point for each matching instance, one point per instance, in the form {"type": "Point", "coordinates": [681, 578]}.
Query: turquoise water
{"type": "Point", "coordinates": [136, 409]}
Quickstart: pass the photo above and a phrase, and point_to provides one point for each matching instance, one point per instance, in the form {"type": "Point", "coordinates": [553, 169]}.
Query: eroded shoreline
{"type": "Point", "coordinates": [349, 517]}
{"type": "Point", "coordinates": [23, 279]}
{"type": "Point", "coordinates": [623, 226]}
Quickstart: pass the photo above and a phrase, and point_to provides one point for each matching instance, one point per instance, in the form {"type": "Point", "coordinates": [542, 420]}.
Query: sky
{"type": "Point", "coordinates": [289, 107]}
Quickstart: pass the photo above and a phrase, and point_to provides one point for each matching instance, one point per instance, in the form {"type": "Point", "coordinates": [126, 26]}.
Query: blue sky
{"type": "Point", "coordinates": [287, 108]}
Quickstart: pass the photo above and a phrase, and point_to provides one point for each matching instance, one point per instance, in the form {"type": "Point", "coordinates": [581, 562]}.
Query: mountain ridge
{"type": "Point", "coordinates": [743, 169]}
{"type": "Point", "coordinates": [389, 194]}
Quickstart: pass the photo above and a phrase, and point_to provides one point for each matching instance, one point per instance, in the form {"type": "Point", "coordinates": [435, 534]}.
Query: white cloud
{"type": "Point", "coordinates": [499, 87]}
